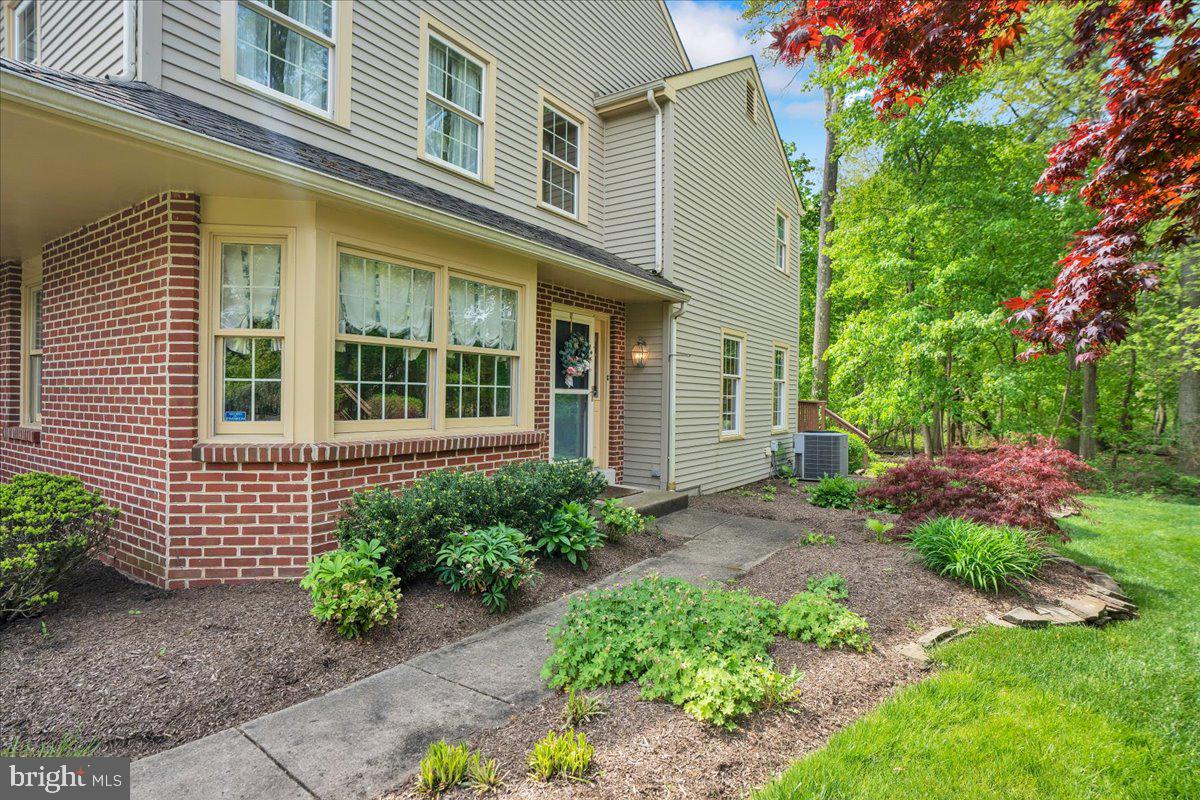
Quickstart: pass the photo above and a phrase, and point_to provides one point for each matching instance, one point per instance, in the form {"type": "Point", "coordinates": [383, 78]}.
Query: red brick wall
{"type": "Point", "coordinates": [549, 294]}
{"type": "Point", "coordinates": [105, 366]}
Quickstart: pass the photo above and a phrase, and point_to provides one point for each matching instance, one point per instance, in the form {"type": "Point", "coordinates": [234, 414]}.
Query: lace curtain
{"type": "Point", "coordinates": [377, 298]}
{"type": "Point", "coordinates": [482, 315]}
{"type": "Point", "coordinates": [249, 289]}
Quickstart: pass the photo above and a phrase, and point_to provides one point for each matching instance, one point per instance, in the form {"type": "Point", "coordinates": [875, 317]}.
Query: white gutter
{"type": "Point", "coordinates": [672, 370]}
{"type": "Point", "coordinates": [658, 182]}
{"type": "Point", "coordinates": [28, 91]}
{"type": "Point", "coordinates": [129, 57]}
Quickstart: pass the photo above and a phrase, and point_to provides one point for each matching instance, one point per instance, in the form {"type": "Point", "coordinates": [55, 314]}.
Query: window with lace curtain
{"type": "Point", "coordinates": [384, 350]}
{"type": "Point", "coordinates": [285, 47]}
{"type": "Point", "coordinates": [481, 354]}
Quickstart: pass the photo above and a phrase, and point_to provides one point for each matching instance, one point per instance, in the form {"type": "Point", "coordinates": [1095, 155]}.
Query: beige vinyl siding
{"type": "Point", "coordinates": [570, 55]}
{"type": "Point", "coordinates": [645, 434]}
{"type": "Point", "coordinates": [629, 187]}
{"type": "Point", "coordinates": [82, 36]}
{"type": "Point", "coordinates": [726, 180]}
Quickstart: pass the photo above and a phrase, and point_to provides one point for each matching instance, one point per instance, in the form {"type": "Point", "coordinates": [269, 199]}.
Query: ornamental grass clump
{"type": "Point", "coordinates": [50, 526]}
{"type": "Point", "coordinates": [492, 562]}
{"type": "Point", "coordinates": [352, 590]}
{"type": "Point", "coordinates": [565, 754]}
{"type": "Point", "coordinates": [703, 649]}
{"type": "Point", "coordinates": [984, 557]}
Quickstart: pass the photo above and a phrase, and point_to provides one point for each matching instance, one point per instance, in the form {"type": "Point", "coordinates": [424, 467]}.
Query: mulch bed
{"type": "Point", "coordinates": [141, 670]}
{"type": "Point", "coordinates": [654, 750]}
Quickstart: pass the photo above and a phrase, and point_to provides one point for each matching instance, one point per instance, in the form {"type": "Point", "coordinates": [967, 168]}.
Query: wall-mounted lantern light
{"type": "Point", "coordinates": [640, 352]}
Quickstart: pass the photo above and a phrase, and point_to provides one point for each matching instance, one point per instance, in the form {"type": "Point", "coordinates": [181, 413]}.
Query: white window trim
{"type": "Point", "coordinates": [30, 417]}
{"type": "Point", "coordinates": [11, 28]}
{"type": "Point", "coordinates": [546, 100]}
{"type": "Point", "coordinates": [729, 434]}
{"type": "Point", "coordinates": [786, 266]}
{"type": "Point", "coordinates": [430, 27]}
{"type": "Point", "coordinates": [779, 386]}
{"type": "Point", "coordinates": [339, 57]}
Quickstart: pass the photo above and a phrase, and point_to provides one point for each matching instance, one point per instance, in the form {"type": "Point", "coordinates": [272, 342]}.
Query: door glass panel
{"type": "Point", "coordinates": [564, 331]}
{"type": "Point", "coordinates": [570, 426]}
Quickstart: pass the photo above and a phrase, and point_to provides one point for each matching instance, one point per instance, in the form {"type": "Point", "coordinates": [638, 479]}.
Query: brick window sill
{"type": "Point", "coordinates": [319, 452]}
{"type": "Point", "coordinates": [17, 433]}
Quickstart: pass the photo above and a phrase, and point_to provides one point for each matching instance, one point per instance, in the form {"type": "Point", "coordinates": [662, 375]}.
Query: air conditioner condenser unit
{"type": "Point", "coordinates": [821, 453]}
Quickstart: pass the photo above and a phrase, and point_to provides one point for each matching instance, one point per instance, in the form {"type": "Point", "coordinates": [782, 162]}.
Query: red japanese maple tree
{"type": "Point", "coordinates": [1137, 165]}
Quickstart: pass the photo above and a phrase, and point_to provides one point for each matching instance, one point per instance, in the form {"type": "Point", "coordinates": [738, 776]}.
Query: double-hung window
{"type": "Point", "coordinates": [561, 159]}
{"type": "Point", "coordinates": [286, 47]}
{"type": "Point", "coordinates": [733, 373]}
{"type": "Point", "coordinates": [481, 355]}
{"type": "Point", "coordinates": [31, 341]}
{"type": "Point", "coordinates": [454, 107]}
{"type": "Point", "coordinates": [249, 338]}
{"type": "Point", "coordinates": [779, 389]}
{"type": "Point", "coordinates": [25, 31]}
{"type": "Point", "coordinates": [384, 350]}
{"type": "Point", "coordinates": [782, 251]}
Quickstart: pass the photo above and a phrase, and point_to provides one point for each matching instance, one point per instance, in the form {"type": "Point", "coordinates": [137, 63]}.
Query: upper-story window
{"type": "Point", "coordinates": [25, 31]}
{"type": "Point", "coordinates": [561, 164]}
{"type": "Point", "coordinates": [286, 46]}
{"type": "Point", "coordinates": [454, 107]}
{"type": "Point", "coordinates": [782, 234]}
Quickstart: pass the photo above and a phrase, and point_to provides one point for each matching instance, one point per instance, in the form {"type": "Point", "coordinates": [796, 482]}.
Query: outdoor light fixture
{"type": "Point", "coordinates": [640, 352]}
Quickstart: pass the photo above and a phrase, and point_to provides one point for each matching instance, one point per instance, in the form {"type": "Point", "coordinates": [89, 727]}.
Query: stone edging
{"type": "Point", "coordinates": [1101, 602]}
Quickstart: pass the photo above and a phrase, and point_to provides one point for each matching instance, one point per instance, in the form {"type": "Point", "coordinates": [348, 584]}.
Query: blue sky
{"type": "Point", "coordinates": [713, 31]}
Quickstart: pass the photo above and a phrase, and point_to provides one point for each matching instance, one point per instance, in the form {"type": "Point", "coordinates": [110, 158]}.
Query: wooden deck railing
{"type": "Point", "coordinates": [814, 415]}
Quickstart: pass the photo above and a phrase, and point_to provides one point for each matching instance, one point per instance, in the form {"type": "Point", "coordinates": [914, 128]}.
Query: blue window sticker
{"type": "Point", "coordinates": [235, 416]}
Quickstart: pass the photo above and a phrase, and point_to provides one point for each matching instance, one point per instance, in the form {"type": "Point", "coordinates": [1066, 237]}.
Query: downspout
{"type": "Point", "coordinates": [676, 312]}
{"type": "Point", "coordinates": [658, 181]}
{"type": "Point", "coordinates": [129, 49]}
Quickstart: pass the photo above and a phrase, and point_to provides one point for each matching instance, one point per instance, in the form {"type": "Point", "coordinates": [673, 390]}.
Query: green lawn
{"type": "Point", "coordinates": [1060, 713]}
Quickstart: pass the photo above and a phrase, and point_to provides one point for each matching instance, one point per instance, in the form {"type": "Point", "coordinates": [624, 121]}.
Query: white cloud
{"type": "Point", "coordinates": [805, 109]}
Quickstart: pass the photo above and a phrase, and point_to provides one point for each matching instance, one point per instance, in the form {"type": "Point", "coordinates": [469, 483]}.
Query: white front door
{"type": "Point", "coordinates": [575, 393]}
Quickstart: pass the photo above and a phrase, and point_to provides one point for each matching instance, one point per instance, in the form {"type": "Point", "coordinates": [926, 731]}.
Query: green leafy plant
{"type": "Point", "coordinates": [582, 708]}
{"type": "Point", "coordinates": [620, 520]}
{"type": "Point", "coordinates": [351, 590]}
{"type": "Point", "coordinates": [878, 467]}
{"type": "Point", "coordinates": [565, 754]}
{"type": "Point", "coordinates": [832, 586]}
{"type": "Point", "coordinates": [880, 529]}
{"type": "Point", "coordinates": [570, 534]}
{"type": "Point", "coordinates": [859, 455]}
{"type": "Point", "coordinates": [816, 617]}
{"type": "Point", "coordinates": [694, 647]}
{"type": "Point", "coordinates": [50, 526]}
{"type": "Point", "coordinates": [768, 493]}
{"type": "Point", "coordinates": [529, 493]}
{"type": "Point", "coordinates": [69, 746]}
{"type": "Point", "coordinates": [493, 562]}
{"type": "Point", "coordinates": [834, 491]}
{"type": "Point", "coordinates": [814, 538]}
{"type": "Point", "coordinates": [484, 775]}
{"type": "Point", "coordinates": [443, 768]}
{"type": "Point", "coordinates": [982, 556]}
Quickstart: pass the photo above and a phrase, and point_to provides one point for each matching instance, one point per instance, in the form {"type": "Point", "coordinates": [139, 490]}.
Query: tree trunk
{"type": "Point", "coordinates": [1187, 411]}
{"type": "Point", "coordinates": [927, 438]}
{"type": "Point", "coordinates": [1072, 405]}
{"type": "Point", "coordinates": [1087, 416]}
{"type": "Point", "coordinates": [829, 176]}
{"type": "Point", "coordinates": [1126, 423]}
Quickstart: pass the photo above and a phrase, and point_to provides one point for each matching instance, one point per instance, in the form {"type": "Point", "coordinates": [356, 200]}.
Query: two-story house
{"type": "Point", "coordinates": [258, 254]}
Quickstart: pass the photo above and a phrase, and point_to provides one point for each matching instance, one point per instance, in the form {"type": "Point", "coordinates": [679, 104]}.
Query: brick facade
{"type": "Point", "coordinates": [121, 388]}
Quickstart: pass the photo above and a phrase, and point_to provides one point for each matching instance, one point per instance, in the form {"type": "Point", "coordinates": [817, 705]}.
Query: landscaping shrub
{"type": "Point", "coordinates": [620, 520]}
{"type": "Point", "coordinates": [834, 491]}
{"type": "Point", "coordinates": [877, 466]}
{"type": "Point", "coordinates": [832, 586]}
{"type": "Point", "coordinates": [493, 562]}
{"type": "Point", "coordinates": [570, 534]}
{"type": "Point", "coordinates": [351, 590]}
{"type": "Point", "coordinates": [981, 556]}
{"type": "Point", "coordinates": [1152, 473]}
{"type": "Point", "coordinates": [702, 649]}
{"type": "Point", "coordinates": [567, 754]}
{"type": "Point", "coordinates": [412, 524]}
{"type": "Point", "coordinates": [529, 493]}
{"type": "Point", "coordinates": [858, 455]}
{"type": "Point", "coordinates": [816, 617]}
{"type": "Point", "coordinates": [50, 526]}
{"type": "Point", "coordinates": [1010, 485]}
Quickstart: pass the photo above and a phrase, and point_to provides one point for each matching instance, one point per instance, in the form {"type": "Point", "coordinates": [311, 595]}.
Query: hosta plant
{"type": "Point", "coordinates": [492, 562]}
{"type": "Point", "coordinates": [984, 557]}
{"type": "Point", "coordinates": [834, 491]}
{"type": "Point", "coordinates": [570, 534]}
{"type": "Point", "coordinates": [352, 590]}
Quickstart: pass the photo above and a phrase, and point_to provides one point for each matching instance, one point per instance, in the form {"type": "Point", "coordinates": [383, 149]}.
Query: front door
{"type": "Point", "coordinates": [577, 393]}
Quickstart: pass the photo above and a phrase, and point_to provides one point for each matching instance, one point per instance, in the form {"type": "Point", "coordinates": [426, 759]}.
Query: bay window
{"type": "Point", "coordinates": [384, 344]}
{"type": "Point", "coordinates": [482, 350]}
{"type": "Point", "coordinates": [733, 373]}
{"type": "Point", "coordinates": [248, 336]}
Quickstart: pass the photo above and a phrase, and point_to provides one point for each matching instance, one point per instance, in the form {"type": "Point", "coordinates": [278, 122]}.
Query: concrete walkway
{"type": "Point", "coordinates": [366, 738]}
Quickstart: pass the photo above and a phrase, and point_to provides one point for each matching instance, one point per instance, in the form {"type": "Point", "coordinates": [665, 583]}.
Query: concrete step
{"type": "Point", "coordinates": [656, 503]}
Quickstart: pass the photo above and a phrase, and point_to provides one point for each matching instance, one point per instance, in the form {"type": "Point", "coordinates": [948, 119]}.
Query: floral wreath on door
{"type": "Point", "coordinates": [575, 357]}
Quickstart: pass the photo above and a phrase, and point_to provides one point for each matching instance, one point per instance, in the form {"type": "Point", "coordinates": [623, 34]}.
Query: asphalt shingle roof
{"type": "Point", "coordinates": [148, 101]}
